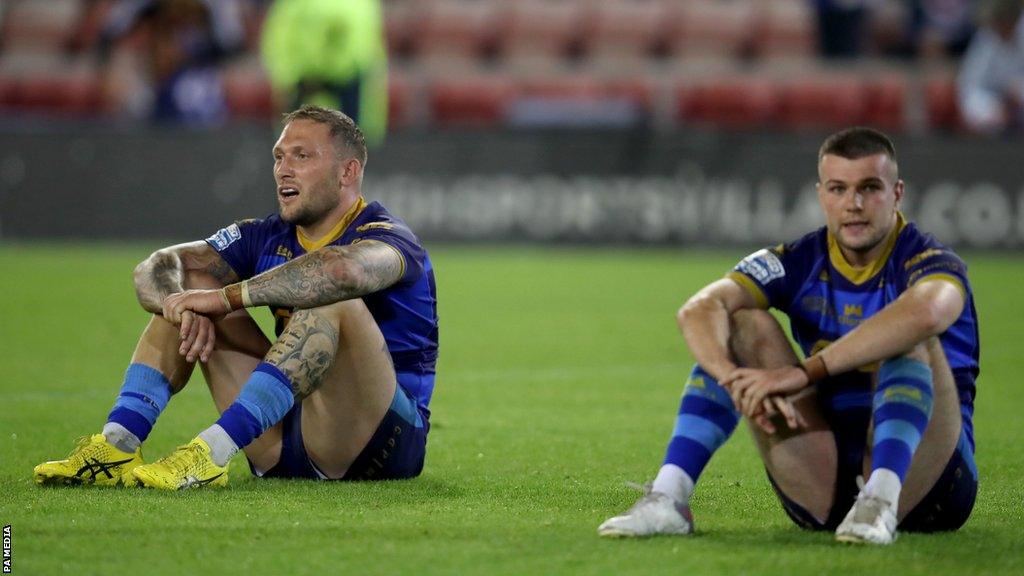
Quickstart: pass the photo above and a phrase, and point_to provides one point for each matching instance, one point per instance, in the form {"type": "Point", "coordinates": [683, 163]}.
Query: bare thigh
{"type": "Point", "coordinates": [240, 346]}
{"type": "Point", "coordinates": [342, 414]}
{"type": "Point", "coordinates": [803, 463]}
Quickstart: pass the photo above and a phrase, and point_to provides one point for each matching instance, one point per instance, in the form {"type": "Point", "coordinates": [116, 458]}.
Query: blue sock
{"type": "Point", "coordinates": [706, 419]}
{"type": "Point", "coordinates": [902, 408]}
{"type": "Point", "coordinates": [144, 395]}
{"type": "Point", "coordinates": [264, 400]}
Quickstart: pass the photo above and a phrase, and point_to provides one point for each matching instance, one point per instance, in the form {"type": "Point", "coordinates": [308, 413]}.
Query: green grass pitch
{"type": "Point", "coordinates": [559, 378]}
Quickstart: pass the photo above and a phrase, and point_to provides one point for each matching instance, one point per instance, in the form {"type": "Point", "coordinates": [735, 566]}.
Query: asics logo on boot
{"type": "Point", "coordinates": [96, 467]}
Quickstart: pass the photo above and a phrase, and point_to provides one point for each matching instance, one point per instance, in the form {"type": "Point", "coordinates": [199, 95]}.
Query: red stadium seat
{"type": "Point", "coordinates": [886, 105]}
{"type": "Point", "coordinates": [941, 104]}
{"type": "Point", "coordinates": [822, 103]}
{"type": "Point", "coordinates": [717, 28]}
{"type": "Point", "coordinates": [62, 95]}
{"type": "Point", "coordinates": [454, 29]}
{"type": "Point", "coordinates": [471, 102]}
{"type": "Point", "coordinates": [399, 97]}
{"type": "Point", "coordinates": [540, 29]}
{"type": "Point", "coordinates": [629, 30]}
{"type": "Point", "coordinates": [743, 103]}
{"type": "Point", "coordinates": [248, 97]}
{"type": "Point", "coordinates": [786, 28]}
{"type": "Point", "coordinates": [39, 24]}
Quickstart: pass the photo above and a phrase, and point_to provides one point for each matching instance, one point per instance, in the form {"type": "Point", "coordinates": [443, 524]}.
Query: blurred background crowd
{"type": "Point", "coordinates": [921, 66]}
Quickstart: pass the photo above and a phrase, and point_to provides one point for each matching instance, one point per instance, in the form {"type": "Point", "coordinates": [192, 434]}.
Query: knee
{"type": "Point", "coordinates": [927, 352]}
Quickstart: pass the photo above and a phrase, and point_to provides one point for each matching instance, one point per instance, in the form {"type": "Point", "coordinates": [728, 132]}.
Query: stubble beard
{"type": "Point", "coordinates": [319, 205]}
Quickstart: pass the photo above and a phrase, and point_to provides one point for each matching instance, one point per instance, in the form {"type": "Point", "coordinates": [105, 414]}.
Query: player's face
{"type": "Point", "coordinates": [860, 199]}
{"type": "Point", "coordinates": [308, 173]}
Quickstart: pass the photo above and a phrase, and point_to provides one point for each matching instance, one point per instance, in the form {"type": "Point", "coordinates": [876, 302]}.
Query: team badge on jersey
{"type": "Point", "coordinates": [225, 237]}
{"type": "Point", "coordinates": [763, 266]}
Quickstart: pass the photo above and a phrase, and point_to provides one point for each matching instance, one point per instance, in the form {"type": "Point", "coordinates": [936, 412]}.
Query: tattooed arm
{"type": "Point", "coordinates": [326, 276]}
{"type": "Point", "coordinates": [163, 273]}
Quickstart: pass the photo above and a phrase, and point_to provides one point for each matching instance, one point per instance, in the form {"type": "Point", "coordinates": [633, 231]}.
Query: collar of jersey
{"type": "Point", "coordinates": [336, 232]}
{"type": "Point", "coordinates": [861, 274]}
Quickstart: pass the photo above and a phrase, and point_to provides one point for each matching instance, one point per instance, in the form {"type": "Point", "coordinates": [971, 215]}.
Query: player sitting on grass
{"type": "Point", "coordinates": [884, 315]}
{"type": "Point", "coordinates": [343, 391]}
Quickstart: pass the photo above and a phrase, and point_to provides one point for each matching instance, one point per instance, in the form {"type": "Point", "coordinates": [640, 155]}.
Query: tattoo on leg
{"type": "Point", "coordinates": [305, 351]}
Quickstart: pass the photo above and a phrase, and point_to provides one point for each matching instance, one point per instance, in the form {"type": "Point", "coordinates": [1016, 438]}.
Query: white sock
{"type": "Point", "coordinates": [884, 484]}
{"type": "Point", "coordinates": [675, 482]}
{"type": "Point", "coordinates": [121, 437]}
{"type": "Point", "coordinates": [222, 447]}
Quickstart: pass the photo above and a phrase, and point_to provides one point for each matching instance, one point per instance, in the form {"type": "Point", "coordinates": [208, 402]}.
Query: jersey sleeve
{"type": "Point", "coordinates": [763, 274]}
{"type": "Point", "coordinates": [237, 244]}
{"type": "Point", "coordinates": [403, 241]}
{"type": "Point", "coordinates": [934, 263]}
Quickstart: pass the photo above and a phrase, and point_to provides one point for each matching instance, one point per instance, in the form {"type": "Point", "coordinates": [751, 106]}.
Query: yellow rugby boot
{"type": "Point", "coordinates": [189, 466]}
{"type": "Point", "coordinates": [92, 461]}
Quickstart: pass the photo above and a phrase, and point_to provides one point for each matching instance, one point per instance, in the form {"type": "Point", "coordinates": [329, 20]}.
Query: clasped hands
{"type": "Point", "coordinates": [760, 394]}
{"type": "Point", "coordinates": [194, 312]}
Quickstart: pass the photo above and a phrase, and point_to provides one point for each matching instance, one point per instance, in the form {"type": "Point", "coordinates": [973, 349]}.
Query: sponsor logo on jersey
{"type": "Point", "coordinates": [225, 237]}
{"type": "Point", "coordinates": [763, 266]}
{"type": "Point", "coordinates": [375, 225]}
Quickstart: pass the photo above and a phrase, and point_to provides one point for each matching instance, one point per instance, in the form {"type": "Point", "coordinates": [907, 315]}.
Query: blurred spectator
{"type": "Point", "coordinates": [183, 41]}
{"type": "Point", "coordinates": [331, 53]}
{"type": "Point", "coordinates": [841, 27]}
{"type": "Point", "coordinates": [991, 79]}
{"type": "Point", "coordinates": [941, 28]}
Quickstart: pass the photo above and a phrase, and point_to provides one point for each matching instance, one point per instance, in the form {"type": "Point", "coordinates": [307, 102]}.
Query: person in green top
{"type": "Point", "coordinates": [331, 54]}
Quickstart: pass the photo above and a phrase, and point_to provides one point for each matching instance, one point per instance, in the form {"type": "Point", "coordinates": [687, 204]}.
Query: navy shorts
{"type": "Point", "coordinates": [848, 408]}
{"type": "Point", "coordinates": [395, 451]}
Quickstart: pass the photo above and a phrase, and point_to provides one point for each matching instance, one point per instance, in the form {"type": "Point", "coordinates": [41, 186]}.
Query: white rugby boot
{"type": "Point", "coordinates": [655, 513]}
{"type": "Point", "coordinates": [872, 520]}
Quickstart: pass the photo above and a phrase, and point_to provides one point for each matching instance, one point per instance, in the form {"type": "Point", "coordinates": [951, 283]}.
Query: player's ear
{"type": "Point", "coordinates": [898, 190]}
{"type": "Point", "coordinates": [351, 171]}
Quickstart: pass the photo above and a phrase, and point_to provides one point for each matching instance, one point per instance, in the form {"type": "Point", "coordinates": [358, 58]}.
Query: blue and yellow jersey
{"type": "Point", "coordinates": [825, 297]}
{"type": "Point", "coordinates": [406, 311]}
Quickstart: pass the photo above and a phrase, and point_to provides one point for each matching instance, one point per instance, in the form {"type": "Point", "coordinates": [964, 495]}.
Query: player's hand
{"type": "Point", "coordinates": [775, 407]}
{"type": "Point", "coordinates": [749, 387]}
{"type": "Point", "coordinates": [210, 303]}
{"type": "Point", "coordinates": [198, 336]}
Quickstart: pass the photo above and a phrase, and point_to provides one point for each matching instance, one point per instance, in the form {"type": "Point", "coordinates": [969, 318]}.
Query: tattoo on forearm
{"type": "Point", "coordinates": [328, 275]}
{"type": "Point", "coordinates": [220, 270]}
{"type": "Point", "coordinates": [305, 351]}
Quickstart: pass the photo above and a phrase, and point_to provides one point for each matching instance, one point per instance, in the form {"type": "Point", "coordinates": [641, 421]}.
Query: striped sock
{"type": "Point", "coordinates": [902, 408]}
{"type": "Point", "coordinates": [264, 400]}
{"type": "Point", "coordinates": [705, 421]}
{"type": "Point", "coordinates": [144, 395]}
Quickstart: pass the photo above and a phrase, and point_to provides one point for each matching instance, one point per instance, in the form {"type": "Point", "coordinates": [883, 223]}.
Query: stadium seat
{"type": "Point", "coordinates": [581, 100]}
{"type": "Point", "coordinates": [713, 28]}
{"type": "Point", "coordinates": [399, 97]}
{"type": "Point", "coordinates": [626, 30]}
{"type": "Point", "coordinates": [398, 20]}
{"type": "Point", "coordinates": [39, 24]}
{"type": "Point", "coordinates": [941, 104]}
{"type": "Point", "coordinates": [478, 102]}
{"type": "Point", "coordinates": [821, 102]}
{"type": "Point", "coordinates": [453, 29]}
{"type": "Point", "coordinates": [248, 96]}
{"type": "Point", "coordinates": [540, 31]}
{"type": "Point", "coordinates": [886, 103]}
{"type": "Point", "coordinates": [786, 28]}
{"type": "Point", "coordinates": [730, 102]}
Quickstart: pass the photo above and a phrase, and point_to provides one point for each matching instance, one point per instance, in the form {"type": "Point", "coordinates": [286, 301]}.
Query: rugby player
{"type": "Point", "coordinates": [884, 316]}
{"type": "Point", "coordinates": [341, 393]}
